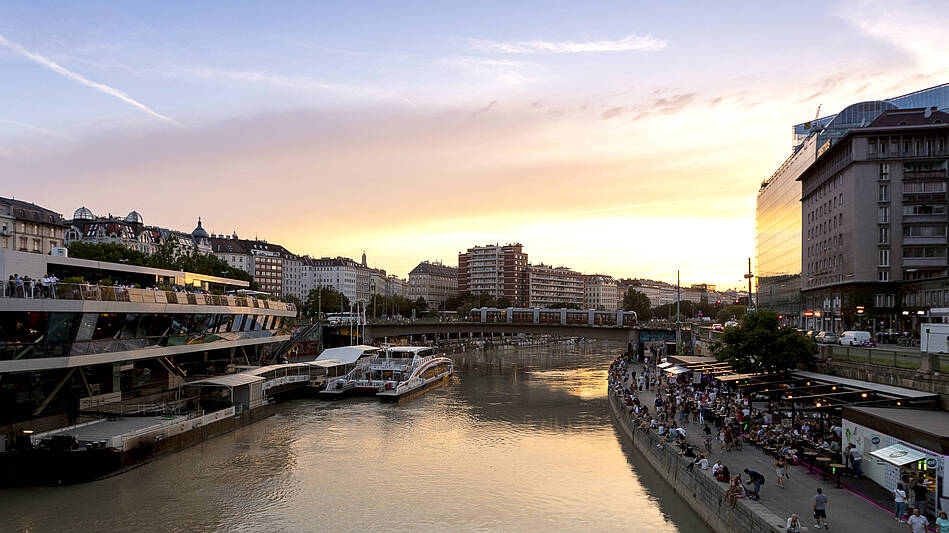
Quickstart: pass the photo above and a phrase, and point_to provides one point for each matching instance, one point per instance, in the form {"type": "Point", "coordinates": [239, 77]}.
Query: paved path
{"type": "Point", "coordinates": [846, 511]}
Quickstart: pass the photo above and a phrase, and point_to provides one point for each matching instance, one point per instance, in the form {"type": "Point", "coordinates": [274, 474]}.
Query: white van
{"type": "Point", "coordinates": [854, 338]}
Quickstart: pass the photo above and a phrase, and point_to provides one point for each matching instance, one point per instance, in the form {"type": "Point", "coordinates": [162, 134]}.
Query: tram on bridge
{"type": "Point", "coordinates": [567, 317]}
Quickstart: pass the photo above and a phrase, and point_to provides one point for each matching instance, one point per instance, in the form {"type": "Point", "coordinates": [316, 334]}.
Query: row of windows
{"type": "Point", "coordinates": [826, 226]}
{"type": "Point", "coordinates": [827, 244]}
{"type": "Point", "coordinates": [924, 209]}
{"type": "Point", "coordinates": [906, 145]}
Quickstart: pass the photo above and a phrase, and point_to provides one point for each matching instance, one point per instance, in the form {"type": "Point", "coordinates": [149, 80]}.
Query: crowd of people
{"type": "Point", "coordinates": [27, 287]}
{"type": "Point", "coordinates": [728, 417]}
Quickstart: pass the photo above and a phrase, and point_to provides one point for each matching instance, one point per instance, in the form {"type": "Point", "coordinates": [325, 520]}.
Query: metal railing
{"type": "Point", "coordinates": [108, 293]}
{"type": "Point", "coordinates": [878, 356]}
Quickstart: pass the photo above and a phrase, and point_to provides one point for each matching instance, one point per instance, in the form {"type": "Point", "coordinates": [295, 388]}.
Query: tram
{"type": "Point", "coordinates": [566, 317]}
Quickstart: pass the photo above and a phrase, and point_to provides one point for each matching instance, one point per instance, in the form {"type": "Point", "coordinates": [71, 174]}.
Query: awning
{"type": "Point", "coordinates": [663, 365]}
{"type": "Point", "coordinates": [676, 370]}
{"type": "Point", "coordinates": [898, 454]}
{"type": "Point", "coordinates": [229, 380]}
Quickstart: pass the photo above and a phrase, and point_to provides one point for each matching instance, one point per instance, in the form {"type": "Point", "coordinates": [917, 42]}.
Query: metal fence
{"type": "Point", "coordinates": [880, 356]}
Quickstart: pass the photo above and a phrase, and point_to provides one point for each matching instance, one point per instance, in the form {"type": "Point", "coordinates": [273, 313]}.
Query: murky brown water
{"type": "Point", "coordinates": [521, 440]}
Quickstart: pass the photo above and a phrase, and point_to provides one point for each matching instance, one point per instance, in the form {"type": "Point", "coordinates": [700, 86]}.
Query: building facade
{"type": "Point", "coordinates": [874, 224]}
{"type": "Point", "coordinates": [434, 282]}
{"type": "Point", "coordinates": [340, 273]}
{"type": "Point", "coordinates": [27, 227]}
{"type": "Point", "coordinates": [550, 287]}
{"type": "Point", "coordinates": [496, 270]}
{"type": "Point", "coordinates": [601, 292]}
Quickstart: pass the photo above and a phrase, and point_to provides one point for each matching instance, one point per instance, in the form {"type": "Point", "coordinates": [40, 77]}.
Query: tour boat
{"type": "Point", "coordinates": [399, 372]}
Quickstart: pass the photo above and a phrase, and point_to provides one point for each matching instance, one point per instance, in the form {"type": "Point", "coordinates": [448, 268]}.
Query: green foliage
{"type": "Point", "coordinates": [687, 309]}
{"type": "Point", "coordinates": [760, 344]}
{"type": "Point", "coordinates": [638, 302]}
{"type": "Point", "coordinates": [109, 252]}
{"type": "Point", "coordinates": [465, 302]}
{"type": "Point", "coordinates": [325, 299]}
{"type": "Point", "coordinates": [731, 312]}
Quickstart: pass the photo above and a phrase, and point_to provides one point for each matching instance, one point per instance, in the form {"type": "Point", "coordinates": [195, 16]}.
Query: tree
{"type": "Point", "coordinates": [761, 344]}
{"type": "Point", "coordinates": [638, 302]}
{"type": "Point", "coordinates": [109, 252]}
{"type": "Point", "coordinates": [731, 312]}
{"type": "Point", "coordinates": [328, 299]}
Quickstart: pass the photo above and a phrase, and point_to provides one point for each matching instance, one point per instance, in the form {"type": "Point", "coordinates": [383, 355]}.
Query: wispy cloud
{"type": "Point", "coordinates": [923, 38]}
{"type": "Point", "coordinates": [59, 69]}
{"type": "Point", "coordinates": [502, 70]}
{"type": "Point", "coordinates": [31, 127]}
{"type": "Point", "coordinates": [632, 42]}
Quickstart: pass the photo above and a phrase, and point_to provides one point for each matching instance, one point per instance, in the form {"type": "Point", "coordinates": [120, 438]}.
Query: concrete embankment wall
{"type": "Point", "coordinates": [698, 488]}
{"type": "Point", "coordinates": [149, 451]}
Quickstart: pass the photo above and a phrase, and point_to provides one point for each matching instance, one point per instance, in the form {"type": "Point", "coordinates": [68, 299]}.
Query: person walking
{"type": "Point", "coordinates": [920, 495]}
{"type": "Point", "coordinates": [917, 522]}
{"type": "Point", "coordinates": [780, 469]}
{"type": "Point", "coordinates": [857, 459]}
{"type": "Point", "coordinates": [820, 509]}
{"type": "Point", "coordinates": [899, 501]}
{"type": "Point", "coordinates": [942, 522]}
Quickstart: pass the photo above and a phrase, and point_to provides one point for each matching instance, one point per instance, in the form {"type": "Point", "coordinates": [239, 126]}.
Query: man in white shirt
{"type": "Point", "coordinates": [703, 462]}
{"type": "Point", "coordinates": [917, 522]}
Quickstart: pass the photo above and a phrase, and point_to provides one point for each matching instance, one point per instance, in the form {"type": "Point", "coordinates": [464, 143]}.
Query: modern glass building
{"type": "Point", "coordinates": [778, 240]}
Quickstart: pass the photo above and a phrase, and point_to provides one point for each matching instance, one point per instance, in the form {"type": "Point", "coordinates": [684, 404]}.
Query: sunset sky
{"type": "Point", "coordinates": [625, 138]}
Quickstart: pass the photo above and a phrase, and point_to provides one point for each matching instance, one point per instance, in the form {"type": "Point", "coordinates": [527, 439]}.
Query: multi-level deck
{"type": "Point", "coordinates": [74, 354]}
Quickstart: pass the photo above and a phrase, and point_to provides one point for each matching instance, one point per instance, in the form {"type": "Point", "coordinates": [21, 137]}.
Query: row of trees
{"type": "Point", "coordinates": [637, 301]}
{"type": "Point", "coordinates": [166, 255]}
{"type": "Point", "coordinates": [330, 300]}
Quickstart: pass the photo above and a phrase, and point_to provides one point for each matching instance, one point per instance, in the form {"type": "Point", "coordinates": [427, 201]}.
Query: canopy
{"type": "Point", "coordinates": [663, 365]}
{"type": "Point", "coordinates": [345, 354]}
{"type": "Point", "coordinates": [676, 370]}
{"type": "Point", "coordinates": [229, 380]}
{"type": "Point", "coordinates": [898, 454]}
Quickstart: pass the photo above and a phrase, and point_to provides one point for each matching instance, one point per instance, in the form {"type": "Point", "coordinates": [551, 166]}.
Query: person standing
{"type": "Point", "coordinates": [779, 469]}
{"type": "Point", "coordinates": [820, 509]}
{"type": "Point", "coordinates": [917, 522]}
{"type": "Point", "coordinates": [755, 480]}
{"type": "Point", "coordinates": [920, 494]}
{"type": "Point", "coordinates": [857, 458]}
{"type": "Point", "coordinates": [899, 501]}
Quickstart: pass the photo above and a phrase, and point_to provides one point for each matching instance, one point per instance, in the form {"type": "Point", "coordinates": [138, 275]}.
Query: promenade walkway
{"type": "Point", "coordinates": [846, 511]}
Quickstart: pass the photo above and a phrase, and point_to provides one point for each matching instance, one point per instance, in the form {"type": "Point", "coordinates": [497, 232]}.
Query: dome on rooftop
{"type": "Point", "coordinates": [134, 217]}
{"type": "Point", "coordinates": [199, 232]}
{"type": "Point", "coordinates": [83, 213]}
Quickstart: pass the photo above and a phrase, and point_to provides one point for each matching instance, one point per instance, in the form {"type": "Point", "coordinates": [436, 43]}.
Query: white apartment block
{"type": "Point", "coordinates": [554, 285]}
{"type": "Point", "coordinates": [601, 292]}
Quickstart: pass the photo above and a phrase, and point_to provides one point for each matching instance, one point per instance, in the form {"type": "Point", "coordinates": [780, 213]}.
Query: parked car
{"type": "Point", "coordinates": [717, 327]}
{"type": "Point", "coordinates": [854, 338]}
{"type": "Point", "coordinates": [825, 337]}
{"type": "Point", "coordinates": [731, 323]}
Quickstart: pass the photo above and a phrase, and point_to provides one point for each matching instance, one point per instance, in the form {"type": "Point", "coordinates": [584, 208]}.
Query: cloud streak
{"type": "Point", "coordinates": [631, 42]}
{"type": "Point", "coordinates": [79, 78]}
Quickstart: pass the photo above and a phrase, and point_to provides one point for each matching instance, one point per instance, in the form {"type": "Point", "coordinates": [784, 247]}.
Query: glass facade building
{"type": "Point", "coordinates": [778, 239]}
{"type": "Point", "coordinates": [778, 236]}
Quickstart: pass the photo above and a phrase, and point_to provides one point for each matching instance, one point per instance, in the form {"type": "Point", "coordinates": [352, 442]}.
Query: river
{"type": "Point", "coordinates": [520, 440]}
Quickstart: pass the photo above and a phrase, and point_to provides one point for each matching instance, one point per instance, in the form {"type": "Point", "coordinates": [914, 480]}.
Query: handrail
{"type": "Point", "coordinates": [34, 289]}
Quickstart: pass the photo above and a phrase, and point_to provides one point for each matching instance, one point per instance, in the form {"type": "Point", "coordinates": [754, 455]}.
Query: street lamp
{"type": "Point", "coordinates": [749, 276]}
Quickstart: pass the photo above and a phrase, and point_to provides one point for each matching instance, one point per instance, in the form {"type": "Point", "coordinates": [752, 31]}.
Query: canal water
{"type": "Point", "coordinates": [520, 440]}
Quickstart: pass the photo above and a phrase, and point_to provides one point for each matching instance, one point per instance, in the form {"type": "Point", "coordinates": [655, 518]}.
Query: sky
{"type": "Point", "coordinates": [626, 138]}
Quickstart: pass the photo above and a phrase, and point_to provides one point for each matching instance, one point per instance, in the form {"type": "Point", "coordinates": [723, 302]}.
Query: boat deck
{"type": "Point", "coordinates": [106, 429]}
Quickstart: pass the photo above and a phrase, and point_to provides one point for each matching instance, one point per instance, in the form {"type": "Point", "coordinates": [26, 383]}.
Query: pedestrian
{"type": "Point", "coordinates": [942, 522]}
{"type": "Point", "coordinates": [921, 494]}
{"type": "Point", "coordinates": [899, 501]}
{"type": "Point", "coordinates": [755, 480]}
{"type": "Point", "coordinates": [857, 458]}
{"type": "Point", "coordinates": [794, 525]}
{"type": "Point", "coordinates": [820, 509]}
{"type": "Point", "coordinates": [917, 522]}
{"type": "Point", "coordinates": [780, 469]}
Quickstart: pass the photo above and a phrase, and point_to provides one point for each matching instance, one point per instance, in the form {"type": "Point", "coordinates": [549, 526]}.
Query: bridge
{"type": "Point", "coordinates": [436, 331]}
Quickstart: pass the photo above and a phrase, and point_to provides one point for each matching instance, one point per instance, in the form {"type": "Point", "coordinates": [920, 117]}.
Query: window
{"type": "Point", "coordinates": [884, 235]}
{"type": "Point", "coordinates": [884, 214]}
{"type": "Point", "coordinates": [884, 275]}
{"type": "Point", "coordinates": [925, 252]}
{"type": "Point", "coordinates": [924, 209]}
{"type": "Point", "coordinates": [884, 258]}
{"type": "Point", "coordinates": [884, 171]}
{"type": "Point", "coordinates": [884, 192]}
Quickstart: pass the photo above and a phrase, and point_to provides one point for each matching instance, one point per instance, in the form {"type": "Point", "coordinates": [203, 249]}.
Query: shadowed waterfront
{"type": "Point", "coordinates": [520, 440]}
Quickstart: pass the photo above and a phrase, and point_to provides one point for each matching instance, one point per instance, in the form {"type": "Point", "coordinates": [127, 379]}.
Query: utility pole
{"type": "Point", "coordinates": [678, 326]}
{"type": "Point", "coordinates": [749, 276]}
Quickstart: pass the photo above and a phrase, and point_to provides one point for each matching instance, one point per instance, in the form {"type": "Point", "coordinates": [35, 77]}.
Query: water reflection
{"type": "Point", "coordinates": [519, 440]}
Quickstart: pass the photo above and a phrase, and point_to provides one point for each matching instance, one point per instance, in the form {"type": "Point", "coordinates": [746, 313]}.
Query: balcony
{"type": "Point", "coordinates": [923, 174]}
{"type": "Point", "coordinates": [103, 293]}
{"type": "Point", "coordinates": [924, 261]}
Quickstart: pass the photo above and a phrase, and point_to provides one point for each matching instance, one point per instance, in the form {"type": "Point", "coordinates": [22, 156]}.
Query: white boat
{"type": "Point", "coordinates": [341, 366]}
{"type": "Point", "coordinates": [410, 370]}
{"type": "Point", "coordinates": [397, 372]}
